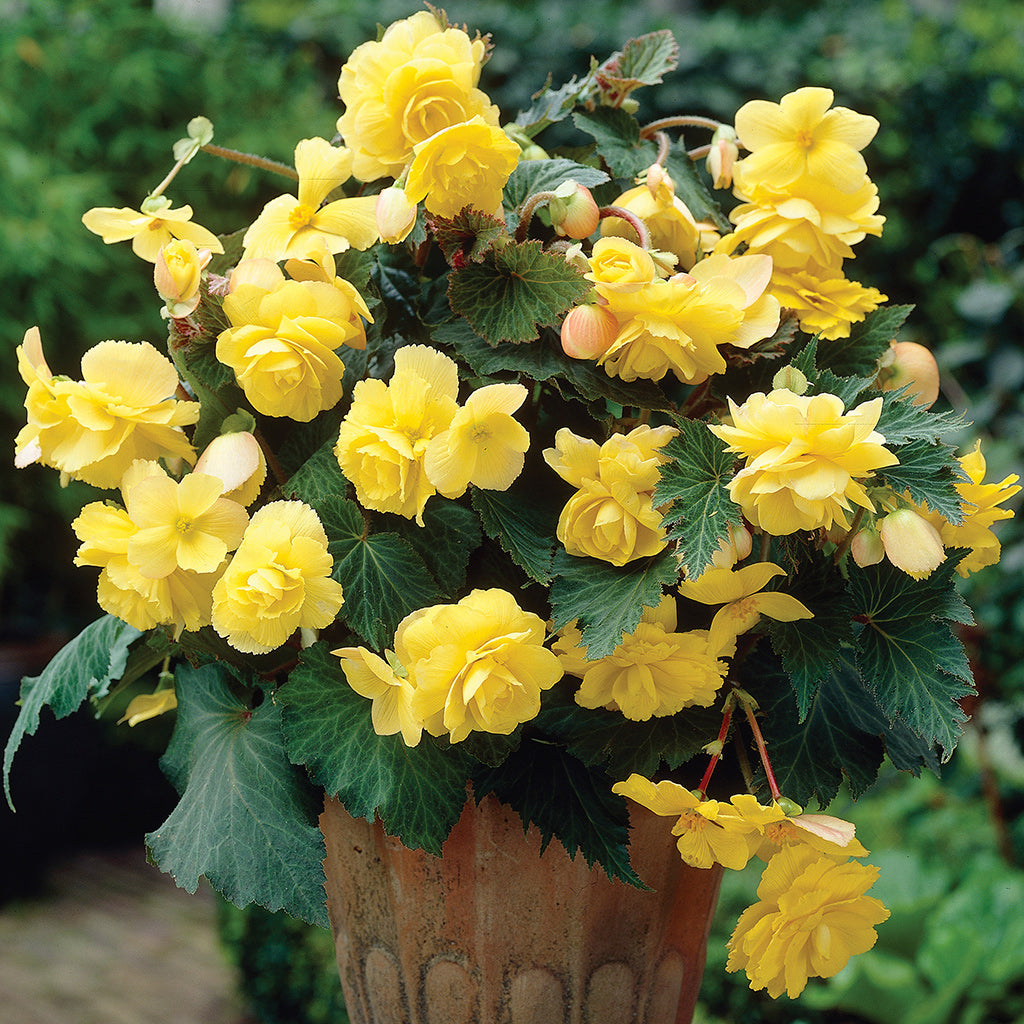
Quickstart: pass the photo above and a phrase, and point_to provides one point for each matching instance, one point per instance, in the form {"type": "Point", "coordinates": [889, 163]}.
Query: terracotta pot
{"type": "Point", "coordinates": [494, 932]}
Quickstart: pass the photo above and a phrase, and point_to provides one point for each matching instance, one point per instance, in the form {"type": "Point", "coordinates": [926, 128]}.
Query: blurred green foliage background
{"type": "Point", "coordinates": [93, 93]}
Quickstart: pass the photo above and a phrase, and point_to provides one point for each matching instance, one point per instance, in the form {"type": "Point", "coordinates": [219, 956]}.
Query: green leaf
{"type": "Point", "coordinates": [384, 580]}
{"type": "Point", "coordinates": [551, 789]}
{"type": "Point", "coordinates": [84, 667]}
{"type": "Point", "coordinates": [929, 472]}
{"type": "Point", "coordinates": [317, 478]}
{"type": "Point", "coordinates": [642, 61]}
{"type": "Point", "coordinates": [449, 536]}
{"type": "Point", "coordinates": [694, 481]}
{"type": "Point", "coordinates": [247, 817]}
{"type": "Point", "coordinates": [213, 384]}
{"type": "Point", "coordinates": [524, 529]}
{"type": "Point", "coordinates": [617, 135]}
{"type": "Point", "coordinates": [468, 237]}
{"type": "Point", "coordinates": [419, 792]}
{"type": "Point", "coordinates": [514, 291]}
{"type": "Point", "coordinates": [532, 176]}
{"type": "Point", "coordinates": [901, 421]}
{"type": "Point", "coordinates": [607, 601]}
{"type": "Point", "coordinates": [608, 740]}
{"type": "Point", "coordinates": [690, 188]}
{"type": "Point", "coordinates": [553, 105]}
{"type": "Point", "coordinates": [858, 355]}
{"type": "Point", "coordinates": [812, 649]}
{"type": "Point", "coordinates": [907, 652]}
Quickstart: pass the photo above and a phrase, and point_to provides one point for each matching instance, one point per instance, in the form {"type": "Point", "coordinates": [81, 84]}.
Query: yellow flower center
{"type": "Point", "coordinates": [301, 215]}
{"type": "Point", "coordinates": [744, 608]}
{"type": "Point", "coordinates": [183, 525]}
{"type": "Point", "coordinates": [804, 139]}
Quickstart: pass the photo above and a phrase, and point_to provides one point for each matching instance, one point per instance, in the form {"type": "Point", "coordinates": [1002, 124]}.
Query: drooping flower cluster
{"type": "Point", "coordinates": [807, 199]}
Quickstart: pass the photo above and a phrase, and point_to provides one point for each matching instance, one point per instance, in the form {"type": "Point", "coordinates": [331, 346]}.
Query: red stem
{"type": "Point", "coordinates": [715, 758]}
{"type": "Point", "coordinates": [773, 786]}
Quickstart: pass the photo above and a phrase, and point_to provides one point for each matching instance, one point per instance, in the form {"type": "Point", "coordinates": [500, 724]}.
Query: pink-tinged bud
{"type": "Point", "coordinates": [906, 362]}
{"type": "Point", "coordinates": [722, 155]}
{"type": "Point", "coordinates": [911, 543]}
{"type": "Point", "coordinates": [588, 332]}
{"type": "Point", "coordinates": [177, 274]}
{"type": "Point", "coordinates": [395, 215]}
{"type": "Point", "coordinates": [574, 213]}
{"type": "Point", "coordinates": [733, 549]}
{"type": "Point", "coordinates": [238, 461]}
{"type": "Point", "coordinates": [866, 547]}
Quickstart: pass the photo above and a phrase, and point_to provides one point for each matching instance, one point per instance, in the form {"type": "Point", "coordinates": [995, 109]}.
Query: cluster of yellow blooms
{"type": "Point", "coordinates": [181, 550]}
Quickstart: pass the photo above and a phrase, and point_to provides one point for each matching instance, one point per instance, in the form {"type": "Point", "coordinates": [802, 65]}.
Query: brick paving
{"type": "Point", "coordinates": [114, 941]}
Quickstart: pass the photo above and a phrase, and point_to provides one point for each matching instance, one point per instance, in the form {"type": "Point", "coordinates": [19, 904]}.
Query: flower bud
{"type": "Point", "coordinates": [177, 273]}
{"type": "Point", "coordinates": [722, 155]}
{"type": "Point", "coordinates": [573, 210]}
{"type": "Point", "coordinates": [395, 215]}
{"type": "Point", "coordinates": [911, 543]}
{"type": "Point", "coordinates": [588, 332]}
{"type": "Point", "coordinates": [866, 547]}
{"type": "Point", "coordinates": [733, 548]}
{"type": "Point", "coordinates": [789, 378]}
{"type": "Point", "coordinates": [906, 362]}
{"type": "Point", "coordinates": [238, 461]}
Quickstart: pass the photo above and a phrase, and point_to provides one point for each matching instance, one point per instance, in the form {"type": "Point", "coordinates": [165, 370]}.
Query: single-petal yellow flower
{"type": "Point", "coordinates": [801, 135]}
{"type": "Point", "coordinates": [740, 593]}
{"type": "Point", "coordinates": [149, 705]}
{"type": "Point", "coordinates": [149, 231]}
{"type": "Point", "coordinates": [290, 226]}
{"type": "Point", "coordinates": [376, 679]}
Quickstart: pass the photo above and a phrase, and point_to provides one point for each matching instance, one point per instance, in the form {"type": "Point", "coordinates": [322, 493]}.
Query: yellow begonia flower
{"type": "Point", "coordinates": [181, 599]}
{"type": "Point", "coordinates": [149, 705]}
{"type": "Point", "coordinates": [290, 226]}
{"type": "Point", "coordinates": [462, 166]}
{"type": "Point", "coordinates": [678, 324]}
{"type": "Point", "coordinates": [612, 515]}
{"type": "Point", "coordinates": [740, 591]}
{"type": "Point", "coordinates": [800, 135]}
{"type": "Point", "coordinates": [484, 445]}
{"type": "Point", "coordinates": [653, 672]}
{"type": "Point", "coordinates": [831, 836]}
{"type": "Point", "coordinates": [182, 525]}
{"type": "Point", "coordinates": [672, 227]}
{"type": "Point", "coordinates": [805, 456]}
{"type": "Point", "coordinates": [825, 302]}
{"type": "Point", "coordinates": [383, 439]}
{"type": "Point", "coordinates": [709, 832]}
{"type": "Point", "coordinates": [281, 343]}
{"type": "Point", "coordinates": [278, 581]}
{"type": "Point", "coordinates": [149, 232]}
{"type": "Point", "coordinates": [476, 665]}
{"type": "Point", "coordinates": [374, 678]}
{"type": "Point", "coordinates": [619, 265]}
{"type": "Point", "coordinates": [812, 916]}
{"type": "Point", "coordinates": [122, 410]}
{"type": "Point", "coordinates": [981, 511]}
{"type": "Point", "coordinates": [418, 79]}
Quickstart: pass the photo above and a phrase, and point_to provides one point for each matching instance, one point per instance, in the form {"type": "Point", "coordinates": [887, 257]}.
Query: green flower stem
{"type": "Point", "coordinates": [252, 161]}
{"type": "Point", "coordinates": [631, 219]}
{"type": "Point", "coordinates": [848, 539]}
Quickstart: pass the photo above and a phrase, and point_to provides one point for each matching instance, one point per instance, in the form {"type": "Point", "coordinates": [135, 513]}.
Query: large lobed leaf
{"type": "Point", "coordinates": [247, 817]}
{"type": "Point", "coordinates": [419, 792]}
{"type": "Point", "coordinates": [84, 667]}
{"type": "Point", "coordinates": [514, 291]}
{"type": "Point", "coordinates": [524, 529]}
{"type": "Point", "coordinates": [694, 484]}
{"type": "Point", "coordinates": [532, 176]}
{"type": "Point", "coordinates": [617, 135]}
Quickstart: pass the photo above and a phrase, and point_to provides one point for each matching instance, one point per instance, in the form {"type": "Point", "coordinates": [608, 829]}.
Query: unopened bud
{"type": "Point", "coordinates": [177, 274]}
{"type": "Point", "coordinates": [588, 332]}
{"type": "Point", "coordinates": [395, 215]}
{"type": "Point", "coordinates": [908, 363]}
{"type": "Point", "coordinates": [866, 547]}
{"type": "Point", "coordinates": [789, 378]}
{"type": "Point", "coordinates": [733, 548]}
{"type": "Point", "coordinates": [238, 461]}
{"type": "Point", "coordinates": [911, 543]}
{"type": "Point", "coordinates": [573, 210]}
{"type": "Point", "coordinates": [723, 154]}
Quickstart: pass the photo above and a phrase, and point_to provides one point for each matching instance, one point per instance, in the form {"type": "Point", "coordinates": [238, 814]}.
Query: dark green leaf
{"type": "Point", "coordinates": [618, 140]}
{"type": "Point", "coordinates": [929, 472]}
{"type": "Point", "coordinates": [642, 61]}
{"type": "Point", "coordinates": [607, 740]}
{"type": "Point", "coordinates": [213, 384]}
{"type": "Point", "coordinates": [857, 355]}
{"type": "Point", "coordinates": [901, 421]}
{"type": "Point", "coordinates": [524, 529]}
{"type": "Point", "coordinates": [85, 667]}
{"type": "Point", "coordinates": [317, 478]}
{"type": "Point", "coordinates": [450, 534]}
{"type": "Point", "coordinates": [514, 291]}
{"type": "Point", "coordinates": [553, 105]}
{"type": "Point", "coordinates": [384, 580]}
{"type": "Point", "coordinates": [545, 176]}
{"type": "Point", "coordinates": [694, 481]}
{"type": "Point", "coordinates": [907, 652]}
{"type": "Point", "coordinates": [607, 601]}
{"type": "Point", "coordinates": [467, 237]}
{"type": "Point", "coordinates": [551, 789]}
{"type": "Point", "coordinates": [419, 792]}
{"type": "Point", "coordinates": [690, 188]}
{"type": "Point", "coordinates": [247, 818]}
